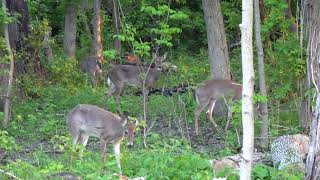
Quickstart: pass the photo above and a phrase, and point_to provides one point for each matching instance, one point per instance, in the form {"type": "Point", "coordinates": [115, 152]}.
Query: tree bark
{"type": "Point", "coordinates": [70, 30]}
{"type": "Point", "coordinates": [247, 93]}
{"type": "Point", "coordinates": [262, 13]}
{"type": "Point", "coordinates": [10, 78]}
{"type": "Point", "coordinates": [47, 47]}
{"type": "Point", "coordinates": [262, 82]}
{"type": "Point", "coordinates": [312, 170]}
{"type": "Point", "coordinates": [116, 25]}
{"type": "Point", "coordinates": [97, 46]}
{"type": "Point", "coordinates": [217, 43]}
{"type": "Point", "coordinates": [293, 27]}
{"type": "Point", "coordinates": [18, 32]}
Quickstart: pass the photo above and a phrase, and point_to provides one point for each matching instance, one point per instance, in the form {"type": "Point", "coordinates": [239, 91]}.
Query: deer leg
{"type": "Point", "coordinates": [116, 149]}
{"type": "Point", "coordinates": [209, 113]}
{"type": "Point", "coordinates": [229, 115]}
{"type": "Point", "coordinates": [75, 133]}
{"type": "Point", "coordinates": [84, 139]}
{"type": "Point", "coordinates": [93, 81]}
{"type": "Point", "coordinates": [75, 138]}
{"type": "Point", "coordinates": [199, 109]}
{"type": "Point", "coordinates": [103, 143]}
{"type": "Point", "coordinates": [115, 91]}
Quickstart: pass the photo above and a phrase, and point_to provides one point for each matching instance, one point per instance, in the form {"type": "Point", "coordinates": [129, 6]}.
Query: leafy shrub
{"type": "Point", "coordinates": [7, 143]}
{"type": "Point", "coordinates": [65, 71]}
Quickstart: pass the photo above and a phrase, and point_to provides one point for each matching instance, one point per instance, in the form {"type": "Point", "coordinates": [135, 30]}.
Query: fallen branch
{"type": "Point", "coordinates": [9, 174]}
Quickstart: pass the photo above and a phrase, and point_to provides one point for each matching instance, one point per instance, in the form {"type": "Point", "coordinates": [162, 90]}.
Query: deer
{"type": "Point", "coordinates": [93, 67]}
{"type": "Point", "coordinates": [209, 92]}
{"type": "Point", "coordinates": [133, 75]}
{"type": "Point", "coordinates": [86, 120]}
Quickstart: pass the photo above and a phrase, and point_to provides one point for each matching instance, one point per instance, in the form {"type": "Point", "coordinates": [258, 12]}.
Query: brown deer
{"type": "Point", "coordinates": [87, 120]}
{"type": "Point", "coordinates": [212, 90]}
{"type": "Point", "coordinates": [92, 66]}
{"type": "Point", "coordinates": [140, 76]}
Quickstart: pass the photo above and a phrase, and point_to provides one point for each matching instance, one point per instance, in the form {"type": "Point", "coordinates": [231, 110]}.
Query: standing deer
{"type": "Point", "coordinates": [92, 66]}
{"type": "Point", "coordinates": [209, 92]}
{"type": "Point", "coordinates": [140, 76]}
{"type": "Point", "coordinates": [87, 120]}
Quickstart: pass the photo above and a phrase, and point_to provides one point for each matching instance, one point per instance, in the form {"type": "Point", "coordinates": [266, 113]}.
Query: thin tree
{"type": "Point", "coordinates": [312, 170]}
{"type": "Point", "coordinates": [217, 43]}
{"type": "Point", "coordinates": [10, 78]}
{"type": "Point", "coordinates": [70, 30]}
{"type": "Point", "coordinates": [116, 25]}
{"type": "Point", "coordinates": [97, 45]}
{"type": "Point", "coordinates": [262, 82]}
{"type": "Point", "coordinates": [247, 93]}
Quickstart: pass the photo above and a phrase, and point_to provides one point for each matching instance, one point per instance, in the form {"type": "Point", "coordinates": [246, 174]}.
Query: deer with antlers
{"type": "Point", "coordinates": [133, 75]}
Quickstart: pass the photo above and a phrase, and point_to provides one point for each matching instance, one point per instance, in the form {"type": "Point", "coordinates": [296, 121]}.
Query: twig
{"type": "Point", "coordinates": [9, 174]}
{"type": "Point", "coordinates": [151, 125]}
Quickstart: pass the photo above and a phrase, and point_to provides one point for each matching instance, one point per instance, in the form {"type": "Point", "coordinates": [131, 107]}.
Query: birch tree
{"type": "Point", "coordinates": [312, 170]}
{"type": "Point", "coordinates": [247, 93]}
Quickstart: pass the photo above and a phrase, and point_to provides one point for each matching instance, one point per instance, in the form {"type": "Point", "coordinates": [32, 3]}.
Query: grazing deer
{"type": "Point", "coordinates": [87, 120]}
{"type": "Point", "coordinates": [92, 66]}
{"type": "Point", "coordinates": [121, 75]}
{"type": "Point", "coordinates": [210, 91]}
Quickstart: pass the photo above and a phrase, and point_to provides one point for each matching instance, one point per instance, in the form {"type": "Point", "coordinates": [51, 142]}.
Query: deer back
{"type": "Point", "coordinates": [95, 121]}
{"type": "Point", "coordinates": [213, 89]}
{"type": "Point", "coordinates": [134, 75]}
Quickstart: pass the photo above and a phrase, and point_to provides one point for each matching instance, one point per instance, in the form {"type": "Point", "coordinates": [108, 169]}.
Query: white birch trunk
{"type": "Point", "coordinates": [247, 93]}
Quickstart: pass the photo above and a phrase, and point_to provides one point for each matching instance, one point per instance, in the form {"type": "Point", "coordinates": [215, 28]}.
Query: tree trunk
{"type": "Point", "coordinates": [293, 27]}
{"type": "Point", "coordinates": [262, 13]}
{"type": "Point", "coordinates": [10, 78]}
{"type": "Point", "coordinates": [116, 25]}
{"type": "Point", "coordinates": [97, 46]}
{"type": "Point", "coordinates": [217, 43]}
{"type": "Point", "coordinates": [305, 110]}
{"type": "Point", "coordinates": [262, 82]}
{"type": "Point", "coordinates": [47, 47]}
{"type": "Point", "coordinates": [70, 30]}
{"type": "Point", "coordinates": [247, 93]}
{"type": "Point", "coordinates": [312, 171]}
{"type": "Point", "coordinates": [18, 32]}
